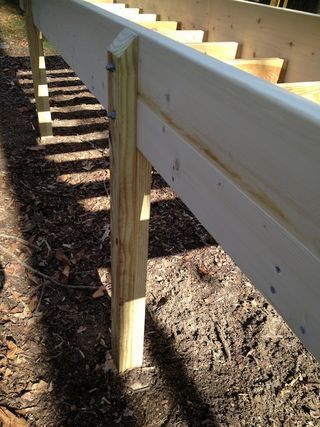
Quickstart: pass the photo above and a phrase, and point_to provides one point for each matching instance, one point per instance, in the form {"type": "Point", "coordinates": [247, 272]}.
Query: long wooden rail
{"type": "Point", "coordinates": [243, 154]}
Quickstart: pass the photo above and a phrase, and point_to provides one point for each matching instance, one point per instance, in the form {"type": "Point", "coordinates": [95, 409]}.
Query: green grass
{"type": "Point", "coordinates": [12, 25]}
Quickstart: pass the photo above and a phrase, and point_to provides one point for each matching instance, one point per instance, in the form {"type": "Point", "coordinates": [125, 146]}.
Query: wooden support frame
{"type": "Point", "coordinates": [253, 185]}
{"type": "Point", "coordinates": [38, 67]}
{"type": "Point", "coordinates": [130, 206]}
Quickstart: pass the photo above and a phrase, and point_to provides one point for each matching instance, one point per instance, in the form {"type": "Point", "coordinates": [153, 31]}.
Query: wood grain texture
{"type": "Point", "coordinates": [262, 139]}
{"type": "Point", "coordinates": [220, 50]}
{"type": "Point", "coordinates": [130, 207]}
{"type": "Point", "coordinates": [183, 36]}
{"type": "Point", "coordinates": [263, 31]}
{"type": "Point", "coordinates": [38, 67]}
{"type": "Point", "coordinates": [309, 90]}
{"type": "Point", "coordinates": [275, 261]}
{"type": "Point", "coordinates": [270, 69]}
{"type": "Point", "coordinates": [159, 25]}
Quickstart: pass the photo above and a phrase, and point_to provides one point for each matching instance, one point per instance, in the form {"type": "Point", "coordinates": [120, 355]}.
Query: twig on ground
{"type": "Point", "coordinates": [223, 341]}
{"type": "Point", "coordinates": [43, 275]}
{"type": "Point", "coordinates": [18, 239]}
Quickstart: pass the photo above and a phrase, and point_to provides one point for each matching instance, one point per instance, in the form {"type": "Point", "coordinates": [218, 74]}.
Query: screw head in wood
{"type": "Point", "coordinates": [112, 115]}
{"type": "Point", "coordinates": [111, 68]}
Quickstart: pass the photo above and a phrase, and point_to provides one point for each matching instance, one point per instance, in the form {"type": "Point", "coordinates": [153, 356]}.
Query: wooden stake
{"type": "Point", "coordinates": [38, 67]}
{"type": "Point", "coordinates": [130, 206]}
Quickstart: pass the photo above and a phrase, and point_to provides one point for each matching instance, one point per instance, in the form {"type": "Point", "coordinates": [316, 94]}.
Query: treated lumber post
{"type": "Point", "coordinates": [130, 206]}
{"type": "Point", "coordinates": [38, 67]}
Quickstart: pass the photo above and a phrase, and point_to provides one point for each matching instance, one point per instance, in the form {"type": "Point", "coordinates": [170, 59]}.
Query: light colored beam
{"type": "Point", "coordinates": [38, 66]}
{"type": "Point", "coordinates": [130, 207]}
{"type": "Point", "coordinates": [309, 90]}
{"type": "Point", "coordinates": [270, 69]}
{"type": "Point", "coordinates": [220, 50]}
{"type": "Point", "coordinates": [159, 25]}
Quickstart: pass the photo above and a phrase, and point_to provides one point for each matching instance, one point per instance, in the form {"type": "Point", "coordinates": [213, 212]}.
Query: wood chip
{"type": "Point", "coordinates": [99, 293]}
{"type": "Point", "coordinates": [8, 419]}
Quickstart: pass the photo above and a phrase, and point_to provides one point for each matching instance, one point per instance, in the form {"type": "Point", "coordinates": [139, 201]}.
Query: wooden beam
{"type": "Point", "coordinates": [127, 12]}
{"type": "Point", "coordinates": [220, 50]}
{"type": "Point", "coordinates": [270, 69]}
{"type": "Point", "coordinates": [143, 17]}
{"type": "Point", "coordinates": [111, 7]}
{"type": "Point", "coordinates": [263, 141]}
{"type": "Point", "coordinates": [130, 207]}
{"type": "Point", "coordinates": [262, 30]}
{"type": "Point", "coordinates": [38, 67]}
{"type": "Point", "coordinates": [159, 25]}
{"type": "Point", "coordinates": [184, 36]}
{"type": "Point", "coordinates": [309, 90]}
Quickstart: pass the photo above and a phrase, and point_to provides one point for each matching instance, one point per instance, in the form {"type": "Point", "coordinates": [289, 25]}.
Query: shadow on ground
{"type": "Point", "coordinates": [62, 188]}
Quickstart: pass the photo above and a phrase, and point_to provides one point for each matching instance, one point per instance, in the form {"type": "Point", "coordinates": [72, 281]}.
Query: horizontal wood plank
{"type": "Point", "coordinates": [183, 36]}
{"type": "Point", "coordinates": [220, 50]}
{"type": "Point", "coordinates": [263, 31]}
{"type": "Point", "coordinates": [159, 25]}
{"type": "Point", "coordinates": [270, 69]}
{"type": "Point", "coordinates": [143, 17]}
{"type": "Point", "coordinates": [263, 141]}
{"type": "Point", "coordinates": [255, 240]}
{"type": "Point", "coordinates": [309, 90]}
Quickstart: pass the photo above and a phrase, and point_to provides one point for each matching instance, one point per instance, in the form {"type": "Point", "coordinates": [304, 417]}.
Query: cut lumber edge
{"type": "Point", "coordinates": [158, 25]}
{"type": "Point", "coordinates": [219, 50]}
{"type": "Point", "coordinates": [184, 36]}
{"type": "Point", "coordinates": [270, 69]}
{"type": "Point", "coordinates": [38, 66]}
{"type": "Point", "coordinates": [130, 206]}
{"type": "Point", "coordinates": [308, 90]}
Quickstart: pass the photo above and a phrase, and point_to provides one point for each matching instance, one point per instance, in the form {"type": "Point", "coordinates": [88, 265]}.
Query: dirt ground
{"type": "Point", "coordinates": [216, 353]}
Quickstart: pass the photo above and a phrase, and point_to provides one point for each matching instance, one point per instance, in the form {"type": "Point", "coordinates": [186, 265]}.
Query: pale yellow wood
{"type": "Point", "coordinates": [127, 12]}
{"type": "Point", "coordinates": [159, 25]}
{"type": "Point", "coordinates": [130, 207]}
{"type": "Point", "coordinates": [270, 69]}
{"type": "Point", "coordinates": [184, 36]}
{"type": "Point", "coordinates": [100, 1]}
{"type": "Point", "coordinates": [263, 31]}
{"type": "Point", "coordinates": [309, 90]}
{"type": "Point", "coordinates": [220, 50]}
{"type": "Point", "coordinates": [38, 67]}
{"type": "Point", "coordinates": [143, 17]}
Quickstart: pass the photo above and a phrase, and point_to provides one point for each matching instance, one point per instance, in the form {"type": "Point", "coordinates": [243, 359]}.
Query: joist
{"type": "Point", "coordinates": [264, 32]}
{"type": "Point", "coordinates": [270, 69]}
{"type": "Point", "coordinates": [309, 90]}
{"type": "Point", "coordinates": [159, 25]}
{"type": "Point", "coordinates": [111, 7]}
{"type": "Point", "coordinates": [143, 17]}
{"type": "Point", "coordinates": [127, 12]}
{"type": "Point", "coordinates": [243, 154]}
{"type": "Point", "coordinates": [220, 50]}
{"type": "Point", "coordinates": [184, 36]}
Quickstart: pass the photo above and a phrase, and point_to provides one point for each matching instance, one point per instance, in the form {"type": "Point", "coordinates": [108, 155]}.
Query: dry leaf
{"type": "Point", "coordinates": [79, 255]}
{"type": "Point", "coordinates": [33, 303]}
{"type": "Point", "coordinates": [66, 271]}
{"type": "Point", "coordinates": [40, 387]}
{"type": "Point", "coordinates": [8, 419]}
{"type": "Point", "coordinates": [62, 257]}
{"type": "Point", "coordinates": [13, 349]}
{"type": "Point", "coordinates": [14, 269]}
{"type": "Point", "coordinates": [81, 329]}
{"type": "Point", "coordinates": [99, 293]}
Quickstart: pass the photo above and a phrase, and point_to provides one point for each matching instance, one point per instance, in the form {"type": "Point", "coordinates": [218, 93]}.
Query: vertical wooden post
{"type": "Point", "coordinates": [38, 67]}
{"type": "Point", "coordinates": [130, 206]}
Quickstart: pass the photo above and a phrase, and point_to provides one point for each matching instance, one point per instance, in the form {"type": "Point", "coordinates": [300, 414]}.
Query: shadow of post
{"type": "Point", "coordinates": [75, 326]}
